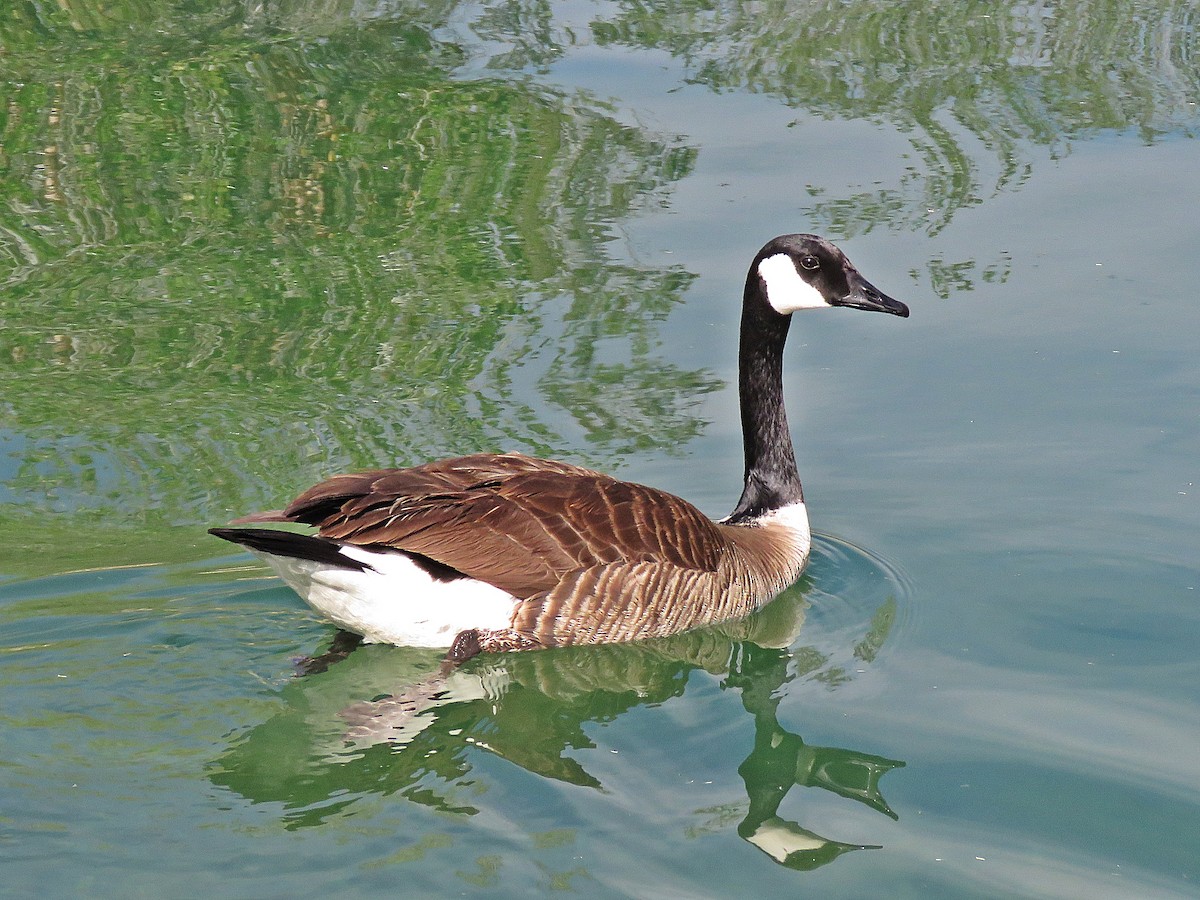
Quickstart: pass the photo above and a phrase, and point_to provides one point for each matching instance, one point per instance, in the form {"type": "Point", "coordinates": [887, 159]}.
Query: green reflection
{"type": "Point", "coordinates": [781, 760]}
{"type": "Point", "coordinates": [245, 245]}
{"type": "Point", "coordinates": [235, 260]}
{"type": "Point", "coordinates": [325, 749]}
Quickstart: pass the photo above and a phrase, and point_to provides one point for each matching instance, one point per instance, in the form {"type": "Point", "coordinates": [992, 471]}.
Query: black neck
{"type": "Point", "coordinates": [771, 477]}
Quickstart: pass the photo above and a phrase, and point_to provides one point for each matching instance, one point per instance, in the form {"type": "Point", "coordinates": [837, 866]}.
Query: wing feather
{"type": "Point", "coordinates": [520, 523]}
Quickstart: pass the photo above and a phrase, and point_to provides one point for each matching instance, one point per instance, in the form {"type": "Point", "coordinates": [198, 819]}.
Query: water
{"type": "Point", "coordinates": [242, 250]}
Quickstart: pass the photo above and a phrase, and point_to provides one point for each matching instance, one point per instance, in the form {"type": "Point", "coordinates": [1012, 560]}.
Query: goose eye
{"type": "Point", "coordinates": [810, 262]}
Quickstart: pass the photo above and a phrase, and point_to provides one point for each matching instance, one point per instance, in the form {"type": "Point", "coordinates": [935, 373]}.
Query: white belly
{"type": "Point", "coordinates": [397, 603]}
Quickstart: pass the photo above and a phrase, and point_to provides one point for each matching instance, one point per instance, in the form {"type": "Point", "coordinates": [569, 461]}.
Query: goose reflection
{"type": "Point", "coordinates": [325, 749]}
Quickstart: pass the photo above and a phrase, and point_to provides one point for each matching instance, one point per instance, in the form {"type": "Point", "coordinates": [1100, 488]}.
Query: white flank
{"type": "Point", "coordinates": [786, 290]}
{"type": "Point", "coordinates": [398, 602]}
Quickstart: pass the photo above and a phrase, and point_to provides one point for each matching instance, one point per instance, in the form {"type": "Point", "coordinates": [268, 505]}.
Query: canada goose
{"type": "Point", "coordinates": [495, 552]}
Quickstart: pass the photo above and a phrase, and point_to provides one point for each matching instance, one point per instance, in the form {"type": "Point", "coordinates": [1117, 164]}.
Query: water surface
{"type": "Point", "coordinates": [242, 250]}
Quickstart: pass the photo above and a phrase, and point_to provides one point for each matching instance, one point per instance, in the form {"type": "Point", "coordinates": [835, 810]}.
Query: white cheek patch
{"type": "Point", "coordinates": [786, 290]}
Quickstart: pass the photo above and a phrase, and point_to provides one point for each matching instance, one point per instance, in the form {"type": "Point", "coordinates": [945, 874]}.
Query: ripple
{"type": "Point", "coordinates": [858, 604]}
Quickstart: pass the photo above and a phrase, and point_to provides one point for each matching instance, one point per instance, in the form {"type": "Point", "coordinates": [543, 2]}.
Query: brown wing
{"type": "Point", "coordinates": [514, 521]}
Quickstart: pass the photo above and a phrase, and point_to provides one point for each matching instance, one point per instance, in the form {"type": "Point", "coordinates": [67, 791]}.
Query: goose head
{"type": "Point", "coordinates": [790, 273]}
{"type": "Point", "coordinates": [804, 271]}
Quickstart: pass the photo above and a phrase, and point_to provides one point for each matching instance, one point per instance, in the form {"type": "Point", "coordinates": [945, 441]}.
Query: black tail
{"type": "Point", "coordinates": [289, 543]}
